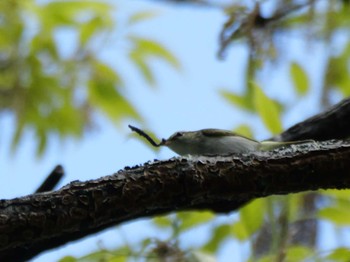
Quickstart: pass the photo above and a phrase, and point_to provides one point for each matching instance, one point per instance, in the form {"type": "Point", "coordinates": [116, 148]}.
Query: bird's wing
{"type": "Point", "coordinates": [212, 132]}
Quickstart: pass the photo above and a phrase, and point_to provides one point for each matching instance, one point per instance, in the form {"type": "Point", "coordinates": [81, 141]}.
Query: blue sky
{"type": "Point", "coordinates": [185, 100]}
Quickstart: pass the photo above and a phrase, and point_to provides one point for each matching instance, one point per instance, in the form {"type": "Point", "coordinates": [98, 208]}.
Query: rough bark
{"type": "Point", "coordinates": [45, 220]}
{"type": "Point", "coordinates": [34, 223]}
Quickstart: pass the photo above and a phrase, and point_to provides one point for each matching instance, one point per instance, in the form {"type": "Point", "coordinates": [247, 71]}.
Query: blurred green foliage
{"type": "Point", "coordinates": [267, 109]}
{"type": "Point", "coordinates": [56, 93]}
{"type": "Point", "coordinates": [299, 78]}
{"type": "Point", "coordinates": [54, 83]}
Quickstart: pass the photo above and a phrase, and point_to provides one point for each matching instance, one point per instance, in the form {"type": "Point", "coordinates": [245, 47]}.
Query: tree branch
{"type": "Point", "coordinates": [41, 221]}
{"type": "Point", "coordinates": [34, 223]}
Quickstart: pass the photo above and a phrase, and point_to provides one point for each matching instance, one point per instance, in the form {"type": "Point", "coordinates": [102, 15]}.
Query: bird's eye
{"type": "Point", "coordinates": [178, 134]}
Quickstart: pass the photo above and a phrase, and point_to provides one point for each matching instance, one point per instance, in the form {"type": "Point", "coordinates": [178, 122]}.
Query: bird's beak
{"type": "Point", "coordinates": [163, 142]}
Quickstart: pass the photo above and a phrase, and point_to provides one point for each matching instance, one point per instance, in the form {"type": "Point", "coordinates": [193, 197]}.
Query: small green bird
{"type": "Point", "coordinates": [213, 142]}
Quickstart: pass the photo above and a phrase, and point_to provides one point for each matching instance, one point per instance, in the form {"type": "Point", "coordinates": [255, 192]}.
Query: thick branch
{"type": "Point", "coordinates": [38, 222]}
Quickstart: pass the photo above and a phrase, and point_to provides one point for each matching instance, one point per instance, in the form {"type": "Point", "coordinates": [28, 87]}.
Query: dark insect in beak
{"type": "Point", "coordinates": [149, 139]}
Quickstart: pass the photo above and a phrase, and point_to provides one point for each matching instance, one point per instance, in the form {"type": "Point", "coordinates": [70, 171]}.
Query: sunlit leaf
{"type": "Point", "coordinates": [267, 110]}
{"type": "Point", "coordinates": [339, 255]}
{"type": "Point", "coordinates": [250, 218]}
{"type": "Point", "coordinates": [67, 12]}
{"type": "Point", "coordinates": [140, 62]}
{"type": "Point", "coordinates": [266, 258]}
{"type": "Point", "coordinates": [199, 256]}
{"type": "Point", "coordinates": [41, 136]}
{"type": "Point", "coordinates": [150, 48]}
{"type": "Point", "coordinates": [89, 29]}
{"type": "Point", "coordinates": [240, 101]}
{"type": "Point", "coordinates": [117, 255]}
{"type": "Point", "coordinates": [239, 231]}
{"type": "Point", "coordinates": [118, 258]}
{"type": "Point", "coordinates": [336, 214]}
{"type": "Point", "coordinates": [163, 221]}
{"type": "Point", "coordinates": [193, 219]}
{"type": "Point", "coordinates": [336, 75]}
{"type": "Point", "coordinates": [300, 78]}
{"type": "Point", "coordinates": [298, 253]}
{"type": "Point", "coordinates": [55, 89]}
{"type": "Point", "coordinates": [106, 73]}
{"type": "Point", "coordinates": [142, 16]}
{"type": "Point", "coordinates": [295, 201]}
{"type": "Point", "coordinates": [16, 138]}
{"type": "Point", "coordinates": [337, 194]}
{"type": "Point", "coordinates": [103, 92]}
{"type": "Point", "coordinates": [219, 234]}
{"type": "Point", "coordinates": [104, 95]}
{"type": "Point", "coordinates": [244, 130]}
{"type": "Point", "coordinates": [68, 259]}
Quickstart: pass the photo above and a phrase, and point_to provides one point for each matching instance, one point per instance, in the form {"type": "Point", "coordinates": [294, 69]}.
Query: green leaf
{"type": "Point", "coordinates": [298, 253]}
{"type": "Point", "coordinates": [66, 12]}
{"type": "Point", "coordinates": [106, 73]}
{"type": "Point", "coordinates": [140, 62]}
{"type": "Point", "coordinates": [41, 136]}
{"type": "Point", "coordinates": [243, 102]}
{"type": "Point", "coordinates": [149, 48]}
{"type": "Point", "coordinates": [163, 221]}
{"type": "Point", "coordinates": [103, 93]}
{"type": "Point", "coordinates": [219, 234]}
{"type": "Point", "coordinates": [117, 258]}
{"type": "Point", "coordinates": [55, 94]}
{"type": "Point", "coordinates": [16, 138]}
{"type": "Point", "coordinates": [267, 110]}
{"type": "Point", "coordinates": [336, 194]}
{"type": "Point", "coordinates": [338, 73]}
{"type": "Point", "coordinates": [141, 16]}
{"type": "Point", "coordinates": [267, 258]}
{"type": "Point", "coordinates": [294, 203]}
{"type": "Point", "coordinates": [116, 255]}
{"type": "Point", "coordinates": [109, 101]}
{"type": "Point", "coordinates": [199, 256]}
{"type": "Point", "coordinates": [339, 254]}
{"type": "Point", "coordinates": [89, 29]}
{"type": "Point", "coordinates": [239, 230]}
{"type": "Point", "coordinates": [193, 219]}
{"type": "Point", "coordinates": [300, 78]}
{"type": "Point", "coordinates": [337, 214]}
{"type": "Point", "coordinates": [68, 259]}
{"type": "Point", "coordinates": [244, 130]}
{"type": "Point", "coordinates": [250, 218]}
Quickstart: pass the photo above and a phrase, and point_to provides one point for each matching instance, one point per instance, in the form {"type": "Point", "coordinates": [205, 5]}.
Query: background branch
{"type": "Point", "coordinates": [331, 124]}
{"type": "Point", "coordinates": [52, 180]}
